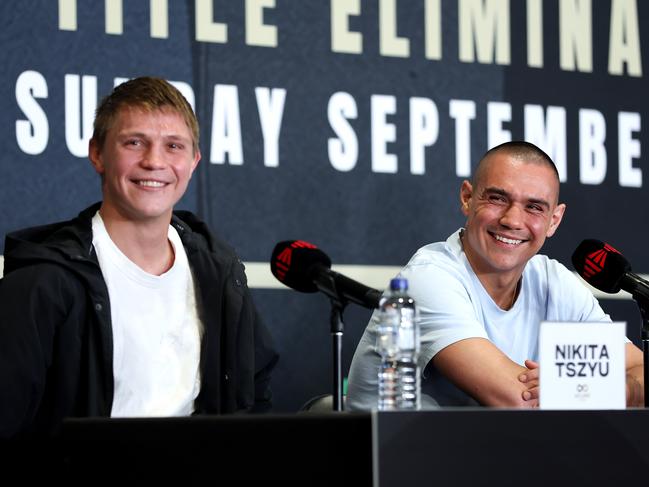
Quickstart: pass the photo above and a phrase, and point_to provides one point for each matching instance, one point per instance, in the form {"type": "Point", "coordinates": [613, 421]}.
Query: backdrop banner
{"type": "Point", "coordinates": [347, 123]}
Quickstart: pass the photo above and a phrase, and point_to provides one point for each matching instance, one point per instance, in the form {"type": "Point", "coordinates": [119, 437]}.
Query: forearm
{"type": "Point", "coordinates": [477, 367]}
{"type": "Point", "coordinates": [635, 386]}
{"type": "Point", "coordinates": [510, 394]}
{"type": "Point", "coordinates": [634, 376]}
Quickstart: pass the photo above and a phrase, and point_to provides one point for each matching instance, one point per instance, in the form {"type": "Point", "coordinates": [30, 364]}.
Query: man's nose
{"type": "Point", "coordinates": [513, 216]}
{"type": "Point", "coordinates": [153, 157]}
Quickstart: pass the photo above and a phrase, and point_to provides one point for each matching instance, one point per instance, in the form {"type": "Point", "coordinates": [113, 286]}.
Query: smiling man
{"type": "Point", "coordinates": [130, 309]}
{"type": "Point", "coordinates": [483, 293]}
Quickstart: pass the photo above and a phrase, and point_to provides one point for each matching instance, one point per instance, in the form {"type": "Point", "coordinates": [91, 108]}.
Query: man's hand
{"type": "Point", "coordinates": [634, 391]}
{"type": "Point", "coordinates": [531, 379]}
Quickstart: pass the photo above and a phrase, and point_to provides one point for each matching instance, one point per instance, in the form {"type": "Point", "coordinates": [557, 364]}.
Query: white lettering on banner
{"type": "Point", "coordinates": [343, 149]}
{"type": "Point", "coordinates": [80, 106]}
{"type": "Point", "coordinates": [206, 29]}
{"type": "Point", "coordinates": [114, 17]}
{"type": "Point", "coordinates": [226, 126]}
{"type": "Point", "coordinates": [68, 15]}
{"type": "Point", "coordinates": [342, 39]}
{"type": "Point", "coordinates": [270, 104]}
{"type": "Point", "coordinates": [575, 35]}
{"type": "Point", "coordinates": [433, 29]}
{"type": "Point", "coordinates": [543, 126]}
{"type": "Point", "coordinates": [484, 25]}
{"type": "Point", "coordinates": [390, 44]}
{"type": "Point", "coordinates": [32, 134]}
{"type": "Point", "coordinates": [624, 39]}
{"type": "Point", "coordinates": [462, 111]}
{"type": "Point", "coordinates": [483, 31]}
{"type": "Point", "coordinates": [383, 133]}
{"type": "Point", "coordinates": [535, 33]}
{"type": "Point", "coordinates": [257, 32]}
{"type": "Point", "coordinates": [497, 113]}
{"type": "Point", "coordinates": [628, 149]}
{"type": "Point", "coordinates": [549, 135]}
{"type": "Point", "coordinates": [424, 130]}
{"type": "Point", "coordinates": [592, 152]}
{"type": "Point", "coordinates": [159, 19]}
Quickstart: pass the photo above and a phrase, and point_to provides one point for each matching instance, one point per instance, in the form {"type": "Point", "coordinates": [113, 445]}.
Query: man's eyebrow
{"type": "Point", "coordinates": [144, 135]}
{"type": "Point", "coordinates": [131, 133]}
{"type": "Point", "coordinates": [496, 190]}
{"type": "Point", "coordinates": [178, 137]}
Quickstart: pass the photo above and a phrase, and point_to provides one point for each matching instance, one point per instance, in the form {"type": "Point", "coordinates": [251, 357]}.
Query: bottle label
{"type": "Point", "coordinates": [407, 332]}
{"type": "Point", "coordinates": [387, 338]}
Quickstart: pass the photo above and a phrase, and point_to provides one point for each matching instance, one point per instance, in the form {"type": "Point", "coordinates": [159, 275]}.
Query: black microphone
{"type": "Point", "coordinates": [304, 267]}
{"type": "Point", "coordinates": [606, 269]}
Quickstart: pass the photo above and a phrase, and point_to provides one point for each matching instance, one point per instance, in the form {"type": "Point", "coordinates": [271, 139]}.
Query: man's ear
{"type": "Point", "coordinates": [466, 192]}
{"type": "Point", "coordinates": [197, 158]}
{"type": "Point", "coordinates": [555, 219]}
{"type": "Point", "coordinates": [94, 154]}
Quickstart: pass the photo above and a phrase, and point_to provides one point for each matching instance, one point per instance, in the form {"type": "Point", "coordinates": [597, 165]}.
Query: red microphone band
{"type": "Point", "coordinates": [301, 244]}
{"type": "Point", "coordinates": [595, 261]}
{"type": "Point", "coordinates": [284, 258]}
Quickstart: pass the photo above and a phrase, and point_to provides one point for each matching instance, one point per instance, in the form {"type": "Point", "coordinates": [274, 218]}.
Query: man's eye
{"type": "Point", "coordinates": [496, 198]}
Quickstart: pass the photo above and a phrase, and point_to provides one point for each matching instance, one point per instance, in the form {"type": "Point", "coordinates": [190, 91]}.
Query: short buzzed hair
{"type": "Point", "coordinates": [522, 150]}
{"type": "Point", "coordinates": [148, 94]}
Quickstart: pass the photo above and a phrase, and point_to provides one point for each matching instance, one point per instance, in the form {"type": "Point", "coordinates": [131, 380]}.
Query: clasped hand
{"type": "Point", "coordinates": [531, 379]}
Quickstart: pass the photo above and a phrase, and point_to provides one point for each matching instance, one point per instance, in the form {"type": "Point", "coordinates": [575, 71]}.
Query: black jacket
{"type": "Point", "coordinates": [56, 350]}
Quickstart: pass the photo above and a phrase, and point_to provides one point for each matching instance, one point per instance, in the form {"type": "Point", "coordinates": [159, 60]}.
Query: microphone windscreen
{"type": "Point", "coordinates": [293, 263]}
{"type": "Point", "coordinates": [600, 265]}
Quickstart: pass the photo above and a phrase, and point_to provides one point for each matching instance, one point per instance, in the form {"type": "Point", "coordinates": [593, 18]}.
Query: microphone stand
{"type": "Point", "coordinates": [643, 304]}
{"type": "Point", "coordinates": [327, 285]}
{"type": "Point", "coordinates": [337, 326]}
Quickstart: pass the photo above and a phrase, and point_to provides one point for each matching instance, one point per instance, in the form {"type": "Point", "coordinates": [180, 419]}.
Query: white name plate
{"type": "Point", "coordinates": [582, 365]}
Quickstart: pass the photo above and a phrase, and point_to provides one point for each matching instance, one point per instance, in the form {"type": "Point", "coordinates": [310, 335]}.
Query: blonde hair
{"type": "Point", "coordinates": [149, 94]}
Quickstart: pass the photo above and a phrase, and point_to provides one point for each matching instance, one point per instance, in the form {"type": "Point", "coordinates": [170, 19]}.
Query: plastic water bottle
{"type": "Point", "coordinates": [398, 345]}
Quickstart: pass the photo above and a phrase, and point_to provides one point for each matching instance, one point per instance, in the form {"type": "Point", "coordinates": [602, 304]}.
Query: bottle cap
{"type": "Point", "coordinates": [399, 284]}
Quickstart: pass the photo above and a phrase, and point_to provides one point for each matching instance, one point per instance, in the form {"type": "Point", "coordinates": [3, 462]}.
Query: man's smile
{"type": "Point", "coordinates": [149, 183]}
{"type": "Point", "coordinates": [507, 240]}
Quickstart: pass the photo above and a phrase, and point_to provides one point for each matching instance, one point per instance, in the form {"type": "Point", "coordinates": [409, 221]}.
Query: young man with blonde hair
{"type": "Point", "coordinates": [130, 309]}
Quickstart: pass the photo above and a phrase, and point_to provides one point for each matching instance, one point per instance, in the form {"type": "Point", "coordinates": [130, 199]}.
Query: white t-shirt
{"type": "Point", "coordinates": [453, 305]}
{"type": "Point", "coordinates": [156, 331]}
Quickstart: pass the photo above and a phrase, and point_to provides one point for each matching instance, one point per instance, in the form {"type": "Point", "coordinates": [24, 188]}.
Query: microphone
{"type": "Point", "coordinates": [606, 269]}
{"type": "Point", "coordinates": [304, 267]}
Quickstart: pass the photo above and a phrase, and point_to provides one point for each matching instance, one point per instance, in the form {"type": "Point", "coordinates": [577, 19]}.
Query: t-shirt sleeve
{"type": "Point", "coordinates": [447, 313]}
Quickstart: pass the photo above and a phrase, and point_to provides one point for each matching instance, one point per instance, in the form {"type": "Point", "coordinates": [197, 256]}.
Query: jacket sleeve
{"type": "Point", "coordinates": [256, 356]}
{"type": "Point", "coordinates": [31, 306]}
{"type": "Point", "coordinates": [266, 358]}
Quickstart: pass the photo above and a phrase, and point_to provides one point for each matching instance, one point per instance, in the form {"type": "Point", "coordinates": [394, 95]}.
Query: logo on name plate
{"type": "Point", "coordinates": [581, 392]}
